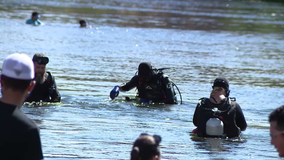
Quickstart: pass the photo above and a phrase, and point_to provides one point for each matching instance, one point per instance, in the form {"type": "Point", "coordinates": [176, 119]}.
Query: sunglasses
{"type": "Point", "coordinates": [41, 60]}
{"type": "Point", "coordinates": [273, 135]}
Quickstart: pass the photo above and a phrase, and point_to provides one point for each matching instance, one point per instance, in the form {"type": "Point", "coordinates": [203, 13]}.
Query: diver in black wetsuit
{"type": "Point", "coordinates": [45, 89]}
{"type": "Point", "coordinates": [230, 111]}
{"type": "Point", "coordinates": [153, 86]}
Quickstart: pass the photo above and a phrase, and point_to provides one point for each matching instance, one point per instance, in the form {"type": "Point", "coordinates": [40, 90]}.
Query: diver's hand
{"type": "Point", "coordinates": [114, 92]}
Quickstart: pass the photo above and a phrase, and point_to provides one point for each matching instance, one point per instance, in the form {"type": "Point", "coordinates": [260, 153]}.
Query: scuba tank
{"type": "Point", "coordinates": [160, 73]}
{"type": "Point", "coordinates": [214, 126]}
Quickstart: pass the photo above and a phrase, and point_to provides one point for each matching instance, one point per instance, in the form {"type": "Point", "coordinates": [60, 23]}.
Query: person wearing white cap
{"type": "Point", "coordinates": [45, 89]}
{"type": "Point", "coordinates": [19, 135]}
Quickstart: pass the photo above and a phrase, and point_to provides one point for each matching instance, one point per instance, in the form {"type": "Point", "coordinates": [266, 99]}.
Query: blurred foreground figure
{"type": "Point", "coordinates": [146, 147]}
{"type": "Point", "coordinates": [19, 135]}
{"type": "Point", "coordinates": [276, 120]}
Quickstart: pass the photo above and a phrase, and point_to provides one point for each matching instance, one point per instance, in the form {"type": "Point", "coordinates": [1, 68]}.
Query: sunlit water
{"type": "Point", "coordinates": [200, 40]}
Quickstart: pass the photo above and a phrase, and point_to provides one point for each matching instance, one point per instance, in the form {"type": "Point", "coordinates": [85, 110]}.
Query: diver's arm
{"type": "Point", "coordinates": [240, 118]}
{"type": "Point", "coordinates": [130, 85]}
{"type": "Point", "coordinates": [54, 93]}
{"type": "Point", "coordinates": [169, 91]}
{"type": "Point", "coordinates": [196, 115]}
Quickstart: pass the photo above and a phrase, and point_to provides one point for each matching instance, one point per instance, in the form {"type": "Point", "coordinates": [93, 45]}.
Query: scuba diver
{"type": "Point", "coordinates": [219, 115]}
{"type": "Point", "coordinates": [152, 85]}
{"type": "Point", "coordinates": [45, 89]}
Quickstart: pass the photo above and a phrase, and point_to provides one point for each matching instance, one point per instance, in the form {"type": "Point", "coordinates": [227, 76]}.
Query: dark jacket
{"type": "Point", "coordinates": [19, 135]}
{"type": "Point", "coordinates": [231, 115]}
{"type": "Point", "coordinates": [159, 89]}
{"type": "Point", "coordinates": [47, 91]}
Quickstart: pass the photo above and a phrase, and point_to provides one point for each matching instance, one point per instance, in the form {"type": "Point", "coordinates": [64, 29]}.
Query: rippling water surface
{"type": "Point", "coordinates": [200, 40]}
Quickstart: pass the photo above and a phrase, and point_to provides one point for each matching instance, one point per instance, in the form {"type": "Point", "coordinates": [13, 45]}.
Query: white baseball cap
{"type": "Point", "coordinates": [18, 66]}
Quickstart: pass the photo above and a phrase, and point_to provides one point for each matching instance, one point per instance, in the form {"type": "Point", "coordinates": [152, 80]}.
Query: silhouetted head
{"type": "Point", "coordinates": [276, 120]}
{"type": "Point", "coordinates": [146, 147]}
{"type": "Point", "coordinates": [83, 23]}
{"type": "Point", "coordinates": [145, 71]}
{"type": "Point", "coordinates": [278, 116]}
{"type": "Point", "coordinates": [35, 16]}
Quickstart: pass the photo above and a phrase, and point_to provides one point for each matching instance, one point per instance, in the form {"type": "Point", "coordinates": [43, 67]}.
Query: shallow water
{"type": "Point", "coordinates": [242, 41]}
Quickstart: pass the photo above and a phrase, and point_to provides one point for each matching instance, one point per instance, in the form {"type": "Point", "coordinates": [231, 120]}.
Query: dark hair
{"type": "Point", "coordinates": [145, 70]}
{"type": "Point", "coordinates": [82, 21]}
{"type": "Point", "coordinates": [278, 116]}
{"type": "Point", "coordinates": [145, 147]}
{"type": "Point", "coordinates": [15, 84]}
{"type": "Point", "coordinates": [35, 14]}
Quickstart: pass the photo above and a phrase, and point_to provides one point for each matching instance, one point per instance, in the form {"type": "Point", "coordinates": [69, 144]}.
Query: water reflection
{"type": "Point", "coordinates": [213, 147]}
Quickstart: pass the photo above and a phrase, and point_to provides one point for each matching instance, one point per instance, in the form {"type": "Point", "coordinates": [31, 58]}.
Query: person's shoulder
{"type": "Point", "coordinates": [203, 98]}
{"type": "Point", "coordinates": [21, 122]}
{"type": "Point", "coordinates": [50, 77]}
{"type": "Point", "coordinates": [6, 110]}
{"type": "Point", "coordinates": [165, 75]}
{"type": "Point", "coordinates": [135, 77]}
{"type": "Point", "coordinates": [49, 73]}
{"type": "Point", "coordinates": [232, 100]}
{"type": "Point", "coordinates": [160, 74]}
{"type": "Point", "coordinates": [203, 101]}
{"type": "Point", "coordinates": [29, 21]}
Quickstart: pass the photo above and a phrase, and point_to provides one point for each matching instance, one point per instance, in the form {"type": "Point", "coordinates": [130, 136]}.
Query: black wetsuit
{"type": "Point", "coordinates": [158, 90]}
{"type": "Point", "coordinates": [19, 135]}
{"type": "Point", "coordinates": [231, 115]}
{"type": "Point", "coordinates": [47, 91]}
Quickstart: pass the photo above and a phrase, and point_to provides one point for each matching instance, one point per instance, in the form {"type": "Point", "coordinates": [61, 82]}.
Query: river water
{"type": "Point", "coordinates": [199, 40]}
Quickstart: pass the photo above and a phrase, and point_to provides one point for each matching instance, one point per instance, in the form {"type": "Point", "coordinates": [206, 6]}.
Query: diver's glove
{"type": "Point", "coordinates": [114, 92]}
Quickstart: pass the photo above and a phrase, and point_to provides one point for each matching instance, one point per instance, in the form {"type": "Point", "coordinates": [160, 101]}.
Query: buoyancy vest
{"type": "Point", "coordinates": [227, 116]}
{"type": "Point", "coordinates": [152, 90]}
